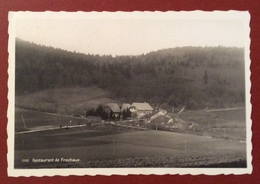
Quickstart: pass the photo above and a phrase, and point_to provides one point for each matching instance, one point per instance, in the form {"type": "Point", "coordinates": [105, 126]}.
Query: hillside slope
{"type": "Point", "coordinates": [64, 100]}
{"type": "Point", "coordinates": [195, 77]}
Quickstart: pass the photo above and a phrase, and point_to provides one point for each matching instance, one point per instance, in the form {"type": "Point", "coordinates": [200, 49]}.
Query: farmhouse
{"type": "Point", "coordinates": [163, 120]}
{"type": "Point", "coordinates": [168, 121]}
{"type": "Point", "coordinates": [115, 109]}
{"type": "Point", "coordinates": [148, 117]}
{"type": "Point", "coordinates": [140, 109]}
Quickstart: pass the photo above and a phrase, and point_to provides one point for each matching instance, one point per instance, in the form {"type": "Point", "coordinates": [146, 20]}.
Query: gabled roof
{"type": "Point", "coordinates": [177, 117]}
{"type": "Point", "coordinates": [114, 107]}
{"type": "Point", "coordinates": [142, 106]}
{"type": "Point", "coordinates": [161, 118]}
{"type": "Point", "coordinates": [150, 115]}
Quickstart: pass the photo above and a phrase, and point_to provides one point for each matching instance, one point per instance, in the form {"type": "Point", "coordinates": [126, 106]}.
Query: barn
{"type": "Point", "coordinates": [113, 109]}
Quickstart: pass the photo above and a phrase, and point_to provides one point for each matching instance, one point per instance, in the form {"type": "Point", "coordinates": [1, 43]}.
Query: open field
{"type": "Point", "coordinates": [98, 148]}
{"type": "Point", "coordinates": [81, 147]}
{"type": "Point", "coordinates": [224, 123]}
{"type": "Point", "coordinates": [31, 120]}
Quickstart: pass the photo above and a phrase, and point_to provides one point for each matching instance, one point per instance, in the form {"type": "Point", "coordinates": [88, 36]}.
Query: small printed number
{"type": "Point", "coordinates": [25, 160]}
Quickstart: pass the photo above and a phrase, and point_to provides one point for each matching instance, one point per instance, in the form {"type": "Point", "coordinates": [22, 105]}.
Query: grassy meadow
{"type": "Point", "coordinates": [99, 148]}
{"type": "Point", "coordinates": [32, 120]}
{"type": "Point", "coordinates": [64, 100]}
{"type": "Point", "coordinates": [224, 124]}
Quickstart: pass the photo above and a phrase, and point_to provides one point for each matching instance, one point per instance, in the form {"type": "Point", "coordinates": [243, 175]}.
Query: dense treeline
{"type": "Point", "coordinates": [197, 77]}
{"type": "Point", "coordinates": [99, 111]}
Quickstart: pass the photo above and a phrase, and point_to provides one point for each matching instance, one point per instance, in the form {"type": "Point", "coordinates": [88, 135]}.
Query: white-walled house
{"type": "Point", "coordinates": [140, 109]}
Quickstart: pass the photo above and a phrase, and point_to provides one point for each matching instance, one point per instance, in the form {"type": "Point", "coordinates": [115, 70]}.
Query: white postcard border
{"type": "Point", "coordinates": [123, 171]}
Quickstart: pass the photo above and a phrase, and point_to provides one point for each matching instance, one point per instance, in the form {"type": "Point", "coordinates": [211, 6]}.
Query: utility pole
{"type": "Point", "coordinates": [24, 122]}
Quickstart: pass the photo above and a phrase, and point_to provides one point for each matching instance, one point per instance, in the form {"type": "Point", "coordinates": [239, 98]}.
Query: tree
{"type": "Point", "coordinates": [99, 111]}
{"type": "Point", "coordinates": [126, 113]}
{"type": "Point", "coordinates": [191, 104]}
{"type": "Point", "coordinates": [90, 113]}
{"type": "Point", "coordinates": [174, 100]}
{"type": "Point", "coordinates": [104, 115]}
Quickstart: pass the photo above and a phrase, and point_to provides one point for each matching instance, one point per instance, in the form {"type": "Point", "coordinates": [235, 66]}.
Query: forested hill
{"type": "Point", "coordinates": [197, 77]}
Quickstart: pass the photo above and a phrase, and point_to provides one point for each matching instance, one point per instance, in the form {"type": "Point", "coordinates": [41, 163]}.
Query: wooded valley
{"type": "Point", "coordinates": [195, 77]}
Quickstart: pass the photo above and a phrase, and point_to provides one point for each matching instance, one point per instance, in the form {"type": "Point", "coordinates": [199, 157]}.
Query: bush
{"type": "Point", "coordinates": [191, 104]}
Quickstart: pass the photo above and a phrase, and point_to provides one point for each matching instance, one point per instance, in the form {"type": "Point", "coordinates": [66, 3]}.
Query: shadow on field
{"type": "Point", "coordinates": [235, 164]}
{"type": "Point", "coordinates": [60, 138]}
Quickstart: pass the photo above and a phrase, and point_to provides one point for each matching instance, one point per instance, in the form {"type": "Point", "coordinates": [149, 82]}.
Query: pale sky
{"type": "Point", "coordinates": [131, 33]}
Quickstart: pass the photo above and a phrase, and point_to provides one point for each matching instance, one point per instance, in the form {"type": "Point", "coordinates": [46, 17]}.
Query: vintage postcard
{"type": "Point", "coordinates": [118, 93]}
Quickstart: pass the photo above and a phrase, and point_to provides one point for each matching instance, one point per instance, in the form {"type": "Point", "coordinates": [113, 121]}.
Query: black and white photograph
{"type": "Point", "coordinates": [129, 93]}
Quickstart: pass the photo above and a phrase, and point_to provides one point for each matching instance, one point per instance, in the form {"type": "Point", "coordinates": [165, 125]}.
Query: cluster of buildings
{"type": "Point", "coordinates": [136, 109]}
{"type": "Point", "coordinates": [144, 114]}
